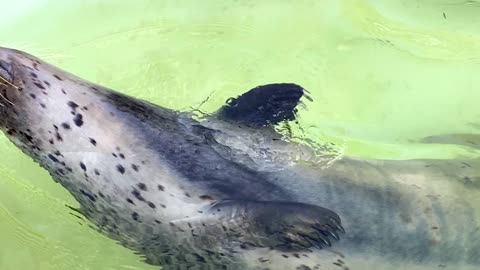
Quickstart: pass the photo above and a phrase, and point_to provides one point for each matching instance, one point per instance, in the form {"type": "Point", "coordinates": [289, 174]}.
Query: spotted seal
{"type": "Point", "coordinates": [227, 191]}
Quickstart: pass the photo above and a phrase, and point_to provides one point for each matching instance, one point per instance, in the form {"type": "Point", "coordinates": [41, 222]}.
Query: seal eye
{"type": "Point", "coordinates": [6, 71]}
{"type": "Point", "coordinates": [232, 102]}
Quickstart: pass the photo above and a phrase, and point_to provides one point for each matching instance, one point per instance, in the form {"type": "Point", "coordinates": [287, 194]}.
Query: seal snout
{"type": "Point", "coordinates": [6, 71]}
{"type": "Point", "coordinates": [6, 81]}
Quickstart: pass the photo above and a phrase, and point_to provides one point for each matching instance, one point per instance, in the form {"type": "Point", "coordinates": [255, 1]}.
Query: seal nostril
{"type": "Point", "coordinates": [6, 71]}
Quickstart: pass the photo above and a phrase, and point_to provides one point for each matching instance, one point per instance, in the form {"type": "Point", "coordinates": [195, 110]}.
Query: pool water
{"type": "Point", "coordinates": [389, 80]}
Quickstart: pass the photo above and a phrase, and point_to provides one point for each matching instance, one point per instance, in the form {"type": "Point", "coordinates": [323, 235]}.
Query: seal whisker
{"type": "Point", "coordinates": [55, 55]}
{"type": "Point", "coordinates": [5, 82]}
{"type": "Point", "coordinates": [4, 98]}
{"type": "Point", "coordinates": [8, 83]}
{"type": "Point", "coordinates": [9, 102]}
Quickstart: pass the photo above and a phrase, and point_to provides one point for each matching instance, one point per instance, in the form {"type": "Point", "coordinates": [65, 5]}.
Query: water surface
{"type": "Point", "coordinates": [387, 78]}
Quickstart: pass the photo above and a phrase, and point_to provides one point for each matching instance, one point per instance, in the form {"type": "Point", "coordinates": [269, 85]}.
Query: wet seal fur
{"type": "Point", "coordinates": [228, 192]}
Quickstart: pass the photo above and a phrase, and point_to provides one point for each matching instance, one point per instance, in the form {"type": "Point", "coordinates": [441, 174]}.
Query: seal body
{"type": "Point", "coordinates": [228, 192]}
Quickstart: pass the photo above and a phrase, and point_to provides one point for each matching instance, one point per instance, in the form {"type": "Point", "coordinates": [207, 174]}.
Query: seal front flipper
{"type": "Point", "coordinates": [286, 226]}
{"type": "Point", "coordinates": [263, 105]}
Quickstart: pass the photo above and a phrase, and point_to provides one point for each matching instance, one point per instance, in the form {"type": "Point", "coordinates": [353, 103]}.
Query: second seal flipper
{"type": "Point", "coordinates": [263, 105]}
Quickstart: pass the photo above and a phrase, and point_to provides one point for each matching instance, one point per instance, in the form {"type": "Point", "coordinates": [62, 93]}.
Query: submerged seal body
{"type": "Point", "coordinates": [228, 192]}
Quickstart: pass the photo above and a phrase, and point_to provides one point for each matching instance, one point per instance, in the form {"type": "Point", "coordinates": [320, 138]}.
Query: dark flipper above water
{"type": "Point", "coordinates": [286, 226]}
{"type": "Point", "coordinates": [263, 105]}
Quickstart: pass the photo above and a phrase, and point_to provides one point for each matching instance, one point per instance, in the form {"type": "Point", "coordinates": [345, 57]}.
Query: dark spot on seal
{"type": "Point", "coordinates": [120, 169]}
{"type": "Point", "coordinates": [42, 105]}
{"type": "Point", "coordinates": [47, 83]}
{"type": "Point", "coordinates": [92, 141]}
{"type": "Point", "coordinates": [151, 205]}
{"type": "Point", "coordinates": [206, 197]}
{"type": "Point", "coordinates": [96, 172]}
{"type": "Point", "coordinates": [262, 260]}
{"type": "Point", "coordinates": [135, 167]}
{"type": "Point", "coordinates": [27, 67]}
{"type": "Point", "coordinates": [101, 194]}
{"type": "Point", "coordinates": [57, 77]}
{"type": "Point", "coordinates": [161, 188]}
{"type": "Point", "coordinates": [158, 221]}
{"type": "Point", "coordinates": [138, 195]}
{"type": "Point", "coordinates": [115, 155]}
{"type": "Point", "coordinates": [33, 96]}
{"type": "Point", "coordinates": [130, 201]}
{"type": "Point", "coordinates": [135, 216]}
{"type": "Point", "coordinates": [187, 195]}
{"type": "Point", "coordinates": [27, 136]}
{"type": "Point", "coordinates": [94, 88]}
{"type": "Point", "coordinates": [33, 74]}
{"type": "Point", "coordinates": [59, 138]}
{"type": "Point", "coordinates": [10, 131]}
{"type": "Point", "coordinates": [39, 85]}
{"type": "Point", "coordinates": [163, 205]}
{"type": "Point", "coordinates": [142, 186]}
{"type": "Point", "coordinates": [54, 159]}
{"type": "Point", "coordinates": [50, 141]}
{"type": "Point", "coordinates": [72, 105]}
{"type": "Point", "coordinates": [63, 91]}
{"type": "Point", "coordinates": [122, 156]}
{"type": "Point", "coordinates": [65, 125]}
{"type": "Point", "coordinates": [83, 166]}
{"type": "Point", "coordinates": [303, 267]}
{"type": "Point", "coordinates": [78, 120]}
{"type": "Point", "coordinates": [88, 195]}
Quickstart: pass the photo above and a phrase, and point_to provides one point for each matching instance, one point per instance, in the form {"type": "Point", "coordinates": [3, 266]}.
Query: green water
{"type": "Point", "coordinates": [383, 75]}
